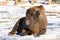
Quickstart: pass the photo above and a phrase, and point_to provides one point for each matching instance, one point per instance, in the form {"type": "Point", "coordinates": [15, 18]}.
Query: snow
{"type": "Point", "coordinates": [13, 13]}
{"type": "Point", "coordinates": [52, 7]}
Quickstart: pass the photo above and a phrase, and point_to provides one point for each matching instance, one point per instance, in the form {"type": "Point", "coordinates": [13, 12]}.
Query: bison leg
{"type": "Point", "coordinates": [14, 28]}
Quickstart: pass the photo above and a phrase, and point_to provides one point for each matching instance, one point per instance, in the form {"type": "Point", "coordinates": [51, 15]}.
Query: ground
{"type": "Point", "coordinates": [10, 14]}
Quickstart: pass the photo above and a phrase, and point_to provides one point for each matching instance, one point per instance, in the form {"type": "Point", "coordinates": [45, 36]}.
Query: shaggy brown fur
{"type": "Point", "coordinates": [35, 20]}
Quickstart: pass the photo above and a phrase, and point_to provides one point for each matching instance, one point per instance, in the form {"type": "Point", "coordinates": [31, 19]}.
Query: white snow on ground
{"type": "Point", "coordinates": [10, 14]}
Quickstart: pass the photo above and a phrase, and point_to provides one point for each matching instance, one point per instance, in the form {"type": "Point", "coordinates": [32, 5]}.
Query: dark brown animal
{"type": "Point", "coordinates": [35, 20]}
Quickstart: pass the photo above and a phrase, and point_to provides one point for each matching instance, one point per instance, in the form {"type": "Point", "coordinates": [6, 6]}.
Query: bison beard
{"type": "Point", "coordinates": [34, 23]}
